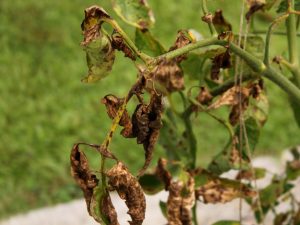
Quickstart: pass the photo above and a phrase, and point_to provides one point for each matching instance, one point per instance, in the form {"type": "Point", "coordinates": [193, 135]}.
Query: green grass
{"type": "Point", "coordinates": [44, 107]}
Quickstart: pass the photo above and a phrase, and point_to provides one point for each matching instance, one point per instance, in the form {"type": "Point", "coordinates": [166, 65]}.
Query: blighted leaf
{"type": "Point", "coordinates": [113, 104]}
{"type": "Point", "coordinates": [167, 77]}
{"type": "Point", "coordinates": [162, 173]}
{"type": "Point", "coordinates": [254, 6]}
{"type": "Point", "coordinates": [129, 189]}
{"type": "Point", "coordinates": [97, 45]}
{"type": "Point", "coordinates": [134, 12]}
{"type": "Point", "coordinates": [82, 174]}
{"type": "Point", "coordinates": [221, 190]}
{"type": "Point", "coordinates": [220, 23]}
{"type": "Point", "coordinates": [183, 38]}
{"type": "Point", "coordinates": [174, 203]}
{"type": "Point", "coordinates": [119, 44]}
{"type": "Point", "coordinates": [227, 222]}
{"type": "Point", "coordinates": [283, 6]}
{"type": "Point", "coordinates": [219, 62]}
{"type": "Point", "coordinates": [188, 202]}
{"type": "Point", "coordinates": [145, 42]}
{"type": "Point", "coordinates": [249, 175]}
{"type": "Point", "coordinates": [146, 123]}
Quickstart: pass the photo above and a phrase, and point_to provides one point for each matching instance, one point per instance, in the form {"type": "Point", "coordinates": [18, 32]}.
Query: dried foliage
{"type": "Point", "coordinates": [129, 189]}
{"type": "Point", "coordinates": [119, 44]}
{"type": "Point", "coordinates": [108, 210]}
{"type": "Point", "coordinates": [174, 203]}
{"type": "Point", "coordinates": [221, 61]}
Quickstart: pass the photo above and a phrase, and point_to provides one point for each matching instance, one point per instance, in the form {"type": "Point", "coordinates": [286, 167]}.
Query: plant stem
{"type": "Point", "coordinates": [274, 33]}
{"type": "Point", "coordinates": [210, 24]}
{"type": "Point", "coordinates": [146, 59]}
{"type": "Point", "coordinates": [292, 43]}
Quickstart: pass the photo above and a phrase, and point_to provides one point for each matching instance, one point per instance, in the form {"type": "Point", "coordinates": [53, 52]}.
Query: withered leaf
{"type": "Point", "coordinates": [167, 77]}
{"type": "Point", "coordinates": [174, 203]}
{"type": "Point", "coordinates": [108, 210]}
{"type": "Point", "coordinates": [204, 96]}
{"type": "Point", "coordinates": [119, 44]}
{"type": "Point", "coordinates": [254, 6]}
{"type": "Point", "coordinates": [163, 174]}
{"type": "Point", "coordinates": [146, 123]}
{"type": "Point", "coordinates": [221, 61]}
{"type": "Point", "coordinates": [82, 174]}
{"type": "Point", "coordinates": [220, 22]}
{"type": "Point", "coordinates": [183, 38]}
{"type": "Point", "coordinates": [129, 189]}
{"type": "Point", "coordinates": [188, 201]}
{"type": "Point", "coordinates": [112, 104]}
{"type": "Point", "coordinates": [97, 45]}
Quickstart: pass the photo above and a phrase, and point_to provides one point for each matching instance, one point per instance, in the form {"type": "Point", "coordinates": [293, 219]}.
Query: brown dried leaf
{"type": "Point", "coordinates": [112, 104]}
{"type": "Point", "coordinates": [254, 6]}
{"type": "Point", "coordinates": [108, 210]}
{"type": "Point", "coordinates": [174, 203]}
{"type": "Point", "coordinates": [221, 61]}
{"type": "Point", "coordinates": [204, 96]}
{"type": "Point", "coordinates": [92, 23]}
{"type": "Point", "coordinates": [220, 22]}
{"type": "Point", "coordinates": [188, 202]}
{"type": "Point", "coordinates": [119, 44]}
{"type": "Point", "coordinates": [129, 189]}
{"type": "Point", "coordinates": [82, 174]}
{"type": "Point", "coordinates": [163, 174]}
{"type": "Point", "coordinates": [222, 191]}
{"type": "Point", "coordinates": [168, 76]}
{"type": "Point", "coordinates": [146, 123]}
{"type": "Point", "coordinates": [183, 38]}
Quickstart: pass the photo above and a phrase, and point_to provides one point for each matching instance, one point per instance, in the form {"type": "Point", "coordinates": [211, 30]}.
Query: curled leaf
{"type": "Point", "coordinates": [129, 189]}
{"type": "Point", "coordinates": [221, 61]}
{"type": "Point", "coordinates": [113, 104]}
{"type": "Point", "coordinates": [134, 12]}
{"type": "Point", "coordinates": [220, 22]}
{"type": "Point", "coordinates": [183, 38]}
{"type": "Point", "coordinates": [82, 174]}
{"type": "Point", "coordinates": [204, 96]}
{"type": "Point", "coordinates": [163, 174]}
{"type": "Point", "coordinates": [108, 210]}
{"type": "Point", "coordinates": [97, 45]}
{"type": "Point", "coordinates": [174, 203]}
{"type": "Point", "coordinates": [146, 123]}
{"type": "Point", "coordinates": [167, 77]}
{"type": "Point", "coordinates": [119, 44]}
{"type": "Point", "coordinates": [254, 6]}
{"type": "Point", "coordinates": [188, 202]}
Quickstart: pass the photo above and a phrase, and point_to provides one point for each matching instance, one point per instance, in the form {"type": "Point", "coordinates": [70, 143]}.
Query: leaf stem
{"type": "Point", "coordinates": [210, 24]}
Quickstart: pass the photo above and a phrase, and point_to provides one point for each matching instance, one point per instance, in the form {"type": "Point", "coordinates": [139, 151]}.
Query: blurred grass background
{"type": "Point", "coordinates": [44, 107]}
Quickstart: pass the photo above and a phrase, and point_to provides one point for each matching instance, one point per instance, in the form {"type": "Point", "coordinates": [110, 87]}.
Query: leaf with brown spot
{"type": "Point", "coordinates": [113, 104]}
{"type": "Point", "coordinates": [188, 202]}
{"type": "Point", "coordinates": [119, 44]}
{"type": "Point", "coordinates": [162, 172]}
{"type": "Point", "coordinates": [146, 123]}
{"type": "Point", "coordinates": [167, 77]}
{"type": "Point", "coordinates": [220, 23]}
{"type": "Point", "coordinates": [254, 6]}
{"type": "Point", "coordinates": [97, 45]}
{"type": "Point", "coordinates": [108, 210]}
{"type": "Point", "coordinates": [174, 203]}
{"type": "Point", "coordinates": [204, 96]}
{"type": "Point", "coordinates": [183, 38]}
{"type": "Point", "coordinates": [221, 61]}
{"type": "Point", "coordinates": [82, 174]}
{"type": "Point", "coordinates": [129, 189]}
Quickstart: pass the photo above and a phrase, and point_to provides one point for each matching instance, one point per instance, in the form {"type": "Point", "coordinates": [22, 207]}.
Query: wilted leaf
{"type": "Point", "coordinates": [134, 12]}
{"type": "Point", "coordinates": [174, 203]}
{"type": "Point", "coordinates": [146, 123]}
{"type": "Point", "coordinates": [113, 104]}
{"type": "Point", "coordinates": [221, 61]}
{"type": "Point", "coordinates": [82, 174]}
{"type": "Point", "coordinates": [220, 23]}
{"type": "Point", "coordinates": [204, 96]}
{"type": "Point", "coordinates": [254, 6]}
{"type": "Point", "coordinates": [283, 6]}
{"type": "Point", "coordinates": [129, 189]}
{"type": "Point", "coordinates": [119, 44]}
{"type": "Point", "coordinates": [183, 38]}
{"type": "Point", "coordinates": [145, 42]}
{"type": "Point", "coordinates": [188, 202]}
{"type": "Point", "coordinates": [248, 174]}
{"type": "Point", "coordinates": [167, 77]}
{"type": "Point", "coordinates": [227, 222]}
{"type": "Point", "coordinates": [97, 45]}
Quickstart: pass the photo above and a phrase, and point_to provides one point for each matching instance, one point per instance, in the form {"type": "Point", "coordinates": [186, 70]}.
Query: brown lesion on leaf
{"type": "Point", "coordinates": [162, 173]}
{"type": "Point", "coordinates": [92, 23]}
{"type": "Point", "coordinates": [204, 97]}
{"type": "Point", "coordinates": [129, 189]}
{"type": "Point", "coordinates": [221, 61]}
{"type": "Point", "coordinates": [174, 203]}
{"type": "Point", "coordinates": [119, 44]}
{"type": "Point", "coordinates": [220, 23]}
{"type": "Point", "coordinates": [183, 38]}
{"type": "Point", "coordinates": [82, 174]}
{"type": "Point", "coordinates": [254, 6]}
{"type": "Point", "coordinates": [108, 210]}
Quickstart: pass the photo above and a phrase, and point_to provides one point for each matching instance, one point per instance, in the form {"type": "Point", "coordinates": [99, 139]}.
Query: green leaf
{"type": "Point", "coordinates": [146, 43]}
{"type": "Point", "coordinates": [296, 110]}
{"type": "Point", "coordinates": [151, 184]}
{"type": "Point", "coordinates": [163, 208]}
{"type": "Point", "coordinates": [227, 222]}
{"type": "Point", "coordinates": [283, 6]}
{"type": "Point", "coordinates": [134, 12]}
{"type": "Point", "coordinates": [258, 109]}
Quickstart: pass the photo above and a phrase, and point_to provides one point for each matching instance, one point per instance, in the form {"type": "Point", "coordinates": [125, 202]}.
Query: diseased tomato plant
{"type": "Point", "coordinates": [227, 70]}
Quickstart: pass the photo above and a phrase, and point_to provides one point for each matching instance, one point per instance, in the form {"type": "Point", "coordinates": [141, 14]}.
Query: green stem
{"type": "Point", "coordinates": [292, 42]}
{"type": "Point", "coordinates": [146, 59]}
{"type": "Point", "coordinates": [274, 33]}
{"type": "Point", "coordinates": [210, 24]}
